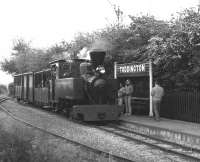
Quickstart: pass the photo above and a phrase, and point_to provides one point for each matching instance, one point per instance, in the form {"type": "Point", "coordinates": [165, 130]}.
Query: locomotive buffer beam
{"type": "Point", "coordinates": [96, 112]}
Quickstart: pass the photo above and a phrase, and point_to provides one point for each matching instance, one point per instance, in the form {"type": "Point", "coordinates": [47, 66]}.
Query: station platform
{"type": "Point", "coordinates": [180, 132]}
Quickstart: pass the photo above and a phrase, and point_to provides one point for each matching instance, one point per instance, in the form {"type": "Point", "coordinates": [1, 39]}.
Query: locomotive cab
{"type": "Point", "coordinates": [66, 84]}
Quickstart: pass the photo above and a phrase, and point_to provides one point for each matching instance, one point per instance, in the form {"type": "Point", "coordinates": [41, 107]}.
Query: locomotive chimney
{"type": "Point", "coordinates": [97, 57]}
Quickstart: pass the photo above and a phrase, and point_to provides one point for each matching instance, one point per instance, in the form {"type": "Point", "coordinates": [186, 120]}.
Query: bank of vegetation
{"type": "Point", "coordinates": [27, 145]}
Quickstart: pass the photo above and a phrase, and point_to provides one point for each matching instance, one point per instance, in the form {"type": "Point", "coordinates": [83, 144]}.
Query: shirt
{"type": "Point", "coordinates": [157, 92]}
{"type": "Point", "coordinates": [129, 89]}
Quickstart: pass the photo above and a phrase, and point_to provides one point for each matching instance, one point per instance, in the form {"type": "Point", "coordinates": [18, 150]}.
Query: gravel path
{"type": "Point", "coordinates": [90, 136]}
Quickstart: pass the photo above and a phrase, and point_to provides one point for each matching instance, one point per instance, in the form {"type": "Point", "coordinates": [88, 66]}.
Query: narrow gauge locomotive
{"type": "Point", "coordinates": [78, 87]}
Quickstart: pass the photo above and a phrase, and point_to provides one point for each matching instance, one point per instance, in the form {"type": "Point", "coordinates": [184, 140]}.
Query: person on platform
{"type": "Point", "coordinates": [157, 94]}
{"type": "Point", "coordinates": [121, 94]}
{"type": "Point", "coordinates": [128, 94]}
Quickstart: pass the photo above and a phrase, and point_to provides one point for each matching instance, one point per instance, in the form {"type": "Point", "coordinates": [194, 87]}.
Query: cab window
{"type": "Point", "coordinates": [65, 70]}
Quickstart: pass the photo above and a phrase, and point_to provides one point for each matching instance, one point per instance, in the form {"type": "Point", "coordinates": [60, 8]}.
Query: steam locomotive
{"type": "Point", "coordinates": [78, 87]}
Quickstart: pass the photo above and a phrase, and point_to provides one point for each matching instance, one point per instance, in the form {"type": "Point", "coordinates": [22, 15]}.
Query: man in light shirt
{"type": "Point", "coordinates": [128, 94]}
{"type": "Point", "coordinates": [157, 94]}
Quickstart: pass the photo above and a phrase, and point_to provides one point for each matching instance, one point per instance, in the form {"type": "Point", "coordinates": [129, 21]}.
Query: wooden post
{"type": "Point", "coordinates": [115, 70]}
{"type": "Point", "coordinates": [150, 88]}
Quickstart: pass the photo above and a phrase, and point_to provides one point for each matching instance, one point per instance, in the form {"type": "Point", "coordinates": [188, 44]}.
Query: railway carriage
{"type": "Point", "coordinates": [41, 87]}
{"type": "Point", "coordinates": [11, 89]}
{"type": "Point", "coordinates": [18, 86]}
{"type": "Point", "coordinates": [77, 87]}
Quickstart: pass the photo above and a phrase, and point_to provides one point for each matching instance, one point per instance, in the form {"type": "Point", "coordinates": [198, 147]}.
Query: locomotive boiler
{"type": "Point", "coordinates": [78, 87]}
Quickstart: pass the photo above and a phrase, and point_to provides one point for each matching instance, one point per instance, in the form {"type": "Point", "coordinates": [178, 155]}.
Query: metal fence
{"type": "Point", "coordinates": [181, 106]}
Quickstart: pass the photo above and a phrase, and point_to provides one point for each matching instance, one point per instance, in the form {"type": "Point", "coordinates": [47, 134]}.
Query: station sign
{"type": "Point", "coordinates": [136, 70]}
{"type": "Point", "coordinates": [132, 69]}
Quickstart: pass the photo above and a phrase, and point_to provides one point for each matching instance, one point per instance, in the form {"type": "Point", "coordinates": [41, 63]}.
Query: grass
{"type": "Point", "coordinates": [27, 145]}
{"type": "Point", "coordinates": [19, 147]}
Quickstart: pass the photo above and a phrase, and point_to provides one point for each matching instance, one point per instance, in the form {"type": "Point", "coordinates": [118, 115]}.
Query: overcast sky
{"type": "Point", "coordinates": [46, 22]}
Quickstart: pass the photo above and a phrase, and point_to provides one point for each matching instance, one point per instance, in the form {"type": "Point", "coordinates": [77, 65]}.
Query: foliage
{"type": "Point", "coordinates": [145, 27]}
{"type": "Point", "coordinates": [9, 66]}
{"type": "Point", "coordinates": [176, 55]}
{"type": "Point", "coordinates": [25, 58]}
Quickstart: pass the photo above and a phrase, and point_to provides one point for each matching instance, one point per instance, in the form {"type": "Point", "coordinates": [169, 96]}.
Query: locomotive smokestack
{"type": "Point", "coordinates": [97, 57]}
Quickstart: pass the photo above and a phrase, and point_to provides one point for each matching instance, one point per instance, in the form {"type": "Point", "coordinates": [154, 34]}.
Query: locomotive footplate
{"type": "Point", "coordinates": [96, 112]}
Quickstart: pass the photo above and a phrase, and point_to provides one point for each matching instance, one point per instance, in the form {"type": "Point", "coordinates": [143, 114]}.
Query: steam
{"type": "Point", "coordinates": [84, 54]}
{"type": "Point", "coordinates": [100, 45]}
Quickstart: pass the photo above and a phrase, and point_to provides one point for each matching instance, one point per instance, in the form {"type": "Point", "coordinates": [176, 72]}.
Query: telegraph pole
{"type": "Point", "coordinates": [118, 13]}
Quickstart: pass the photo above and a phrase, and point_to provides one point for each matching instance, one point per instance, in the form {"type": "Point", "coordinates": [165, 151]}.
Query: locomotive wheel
{"type": "Point", "coordinates": [53, 105]}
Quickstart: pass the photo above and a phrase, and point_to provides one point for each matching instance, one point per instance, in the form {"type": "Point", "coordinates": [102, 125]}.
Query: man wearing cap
{"type": "Point", "coordinates": [157, 94]}
{"type": "Point", "coordinates": [128, 94]}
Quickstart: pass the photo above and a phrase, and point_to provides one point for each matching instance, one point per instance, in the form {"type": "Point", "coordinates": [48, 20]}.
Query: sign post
{"type": "Point", "coordinates": [150, 88]}
{"type": "Point", "coordinates": [115, 70]}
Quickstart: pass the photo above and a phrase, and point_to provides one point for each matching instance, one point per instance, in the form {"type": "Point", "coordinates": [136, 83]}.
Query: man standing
{"type": "Point", "coordinates": [128, 94]}
{"type": "Point", "coordinates": [157, 94]}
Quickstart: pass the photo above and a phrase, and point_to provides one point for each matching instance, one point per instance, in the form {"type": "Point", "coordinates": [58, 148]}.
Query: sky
{"type": "Point", "coordinates": [46, 22]}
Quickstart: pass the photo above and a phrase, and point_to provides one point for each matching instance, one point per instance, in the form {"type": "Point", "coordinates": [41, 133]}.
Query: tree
{"type": "Point", "coordinates": [22, 52]}
{"type": "Point", "coordinates": [25, 58]}
{"type": "Point", "coordinates": [18, 61]}
{"type": "Point", "coordinates": [177, 55]}
{"type": "Point", "coordinates": [9, 66]}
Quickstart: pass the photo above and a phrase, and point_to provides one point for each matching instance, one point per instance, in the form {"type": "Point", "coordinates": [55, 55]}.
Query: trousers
{"type": "Point", "coordinates": [156, 108]}
{"type": "Point", "coordinates": [128, 108]}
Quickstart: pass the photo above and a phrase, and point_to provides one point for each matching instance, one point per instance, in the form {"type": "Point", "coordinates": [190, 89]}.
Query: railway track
{"type": "Point", "coordinates": [100, 152]}
{"type": "Point", "coordinates": [3, 98]}
{"type": "Point", "coordinates": [167, 146]}
{"type": "Point", "coordinates": [119, 130]}
{"type": "Point", "coordinates": [191, 154]}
